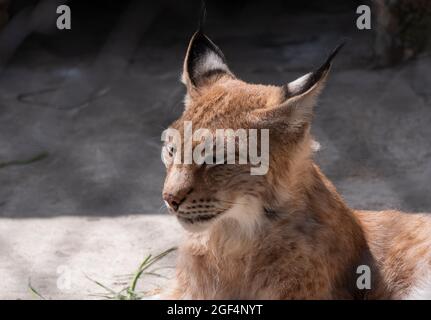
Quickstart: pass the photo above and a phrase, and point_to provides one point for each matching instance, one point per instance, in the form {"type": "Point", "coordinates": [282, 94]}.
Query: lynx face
{"type": "Point", "coordinates": [201, 194]}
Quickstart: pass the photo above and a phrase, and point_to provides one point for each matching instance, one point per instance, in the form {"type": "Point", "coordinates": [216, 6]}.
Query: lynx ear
{"type": "Point", "coordinates": [297, 99]}
{"type": "Point", "coordinates": [204, 61]}
{"type": "Point", "coordinates": [311, 80]}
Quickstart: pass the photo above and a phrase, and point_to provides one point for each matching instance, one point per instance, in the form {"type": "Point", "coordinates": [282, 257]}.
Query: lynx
{"type": "Point", "coordinates": [286, 234]}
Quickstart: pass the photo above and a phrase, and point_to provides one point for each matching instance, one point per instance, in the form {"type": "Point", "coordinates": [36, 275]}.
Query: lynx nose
{"type": "Point", "coordinates": [171, 201]}
{"type": "Point", "coordinates": [174, 201]}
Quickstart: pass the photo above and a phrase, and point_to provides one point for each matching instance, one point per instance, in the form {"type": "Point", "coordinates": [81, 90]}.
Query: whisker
{"type": "Point", "coordinates": [161, 207]}
{"type": "Point", "coordinates": [232, 202]}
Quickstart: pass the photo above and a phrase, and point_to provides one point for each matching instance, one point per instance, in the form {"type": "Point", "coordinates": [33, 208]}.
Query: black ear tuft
{"type": "Point", "coordinates": [203, 60]}
{"type": "Point", "coordinates": [202, 17]}
{"type": "Point", "coordinates": [306, 82]}
{"type": "Point", "coordinates": [331, 57]}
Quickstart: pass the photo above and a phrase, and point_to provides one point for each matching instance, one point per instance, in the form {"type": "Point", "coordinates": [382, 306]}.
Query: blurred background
{"type": "Point", "coordinates": [82, 110]}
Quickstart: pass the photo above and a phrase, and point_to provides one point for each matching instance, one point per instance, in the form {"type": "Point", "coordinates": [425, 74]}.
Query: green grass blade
{"type": "Point", "coordinates": [149, 261]}
{"type": "Point", "coordinates": [101, 285]}
{"type": "Point", "coordinates": [34, 291]}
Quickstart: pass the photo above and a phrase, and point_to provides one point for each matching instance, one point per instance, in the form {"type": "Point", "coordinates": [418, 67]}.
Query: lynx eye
{"type": "Point", "coordinates": [168, 153]}
{"type": "Point", "coordinates": [171, 150]}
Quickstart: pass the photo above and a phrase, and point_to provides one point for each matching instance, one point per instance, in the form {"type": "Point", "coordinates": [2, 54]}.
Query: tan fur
{"type": "Point", "coordinates": [287, 234]}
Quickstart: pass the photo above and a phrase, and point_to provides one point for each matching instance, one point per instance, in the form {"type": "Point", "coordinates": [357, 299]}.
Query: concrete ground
{"type": "Point", "coordinates": [81, 115]}
{"type": "Point", "coordinates": [64, 257]}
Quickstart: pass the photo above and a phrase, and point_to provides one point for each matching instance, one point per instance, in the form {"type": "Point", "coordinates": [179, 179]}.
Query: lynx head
{"type": "Point", "coordinates": [200, 194]}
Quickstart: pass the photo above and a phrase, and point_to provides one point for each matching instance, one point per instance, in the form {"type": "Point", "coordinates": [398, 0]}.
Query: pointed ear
{"type": "Point", "coordinates": [204, 62]}
{"type": "Point", "coordinates": [297, 100]}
